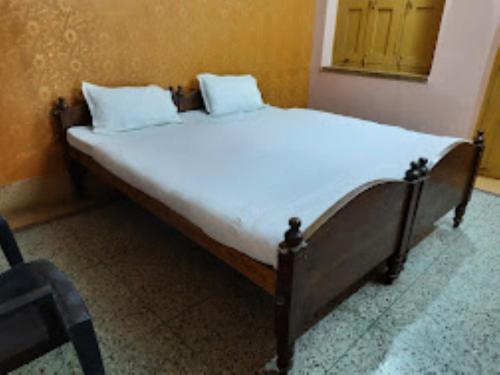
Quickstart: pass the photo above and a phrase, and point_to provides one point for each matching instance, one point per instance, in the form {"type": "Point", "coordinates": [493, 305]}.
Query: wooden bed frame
{"type": "Point", "coordinates": [366, 234]}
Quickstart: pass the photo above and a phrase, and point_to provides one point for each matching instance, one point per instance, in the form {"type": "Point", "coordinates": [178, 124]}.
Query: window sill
{"type": "Point", "coordinates": [377, 73]}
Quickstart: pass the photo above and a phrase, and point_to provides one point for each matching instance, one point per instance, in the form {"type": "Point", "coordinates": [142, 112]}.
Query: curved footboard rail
{"type": "Point", "coordinates": [449, 186]}
{"type": "Point", "coordinates": [365, 232]}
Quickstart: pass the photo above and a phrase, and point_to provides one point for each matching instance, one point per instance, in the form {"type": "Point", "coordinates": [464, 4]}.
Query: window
{"type": "Point", "coordinates": [396, 36]}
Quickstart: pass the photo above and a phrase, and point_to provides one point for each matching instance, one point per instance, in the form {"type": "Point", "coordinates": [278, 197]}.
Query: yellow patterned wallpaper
{"type": "Point", "coordinates": [47, 47]}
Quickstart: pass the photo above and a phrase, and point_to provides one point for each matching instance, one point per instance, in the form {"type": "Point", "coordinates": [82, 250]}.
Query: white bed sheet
{"type": "Point", "coordinates": [241, 177]}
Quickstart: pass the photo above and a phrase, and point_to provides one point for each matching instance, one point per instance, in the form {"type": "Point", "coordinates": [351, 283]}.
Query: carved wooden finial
{"type": "Point", "coordinates": [413, 173]}
{"type": "Point", "coordinates": [180, 91]}
{"type": "Point", "coordinates": [479, 140]}
{"type": "Point", "coordinates": [293, 236]}
{"type": "Point", "coordinates": [61, 106]}
{"type": "Point", "coordinates": [61, 103]}
{"type": "Point", "coordinates": [179, 95]}
{"type": "Point", "coordinates": [173, 93]}
{"type": "Point", "coordinates": [423, 166]}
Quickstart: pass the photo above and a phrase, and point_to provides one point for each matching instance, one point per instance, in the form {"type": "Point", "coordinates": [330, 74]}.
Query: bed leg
{"type": "Point", "coordinates": [459, 215]}
{"type": "Point", "coordinates": [77, 174]}
{"type": "Point", "coordinates": [285, 359]}
{"type": "Point", "coordinates": [416, 177]}
{"type": "Point", "coordinates": [395, 268]}
{"type": "Point", "coordinates": [478, 154]}
{"type": "Point", "coordinates": [284, 323]}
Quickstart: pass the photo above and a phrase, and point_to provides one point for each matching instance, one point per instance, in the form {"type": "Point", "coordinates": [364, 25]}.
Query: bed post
{"type": "Point", "coordinates": [179, 94]}
{"type": "Point", "coordinates": [174, 96]}
{"type": "Point", "coordinates": [415, 176]}
{"type": "Point", "coordinates": [288, 250]}
{"type": "Point", "coordinates": [77, 174]}
{"type": "Point", "coordinates": [76, 170]}
{"type": "Point", "coordinates": [476, 162]}
{"type": "Point", "coordinates": [59, 109]}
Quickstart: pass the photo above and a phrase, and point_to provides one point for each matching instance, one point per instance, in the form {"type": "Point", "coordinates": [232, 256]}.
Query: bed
{"type": "Point", "coordinates": [231, 184]}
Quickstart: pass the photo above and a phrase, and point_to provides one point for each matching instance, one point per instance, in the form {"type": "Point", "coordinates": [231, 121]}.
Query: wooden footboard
{"type": "Point", "coordinates": [366, 231]}
{"type": "Point", "coordinates": [449, 186]}
{"type": "Point", "coordinates": [371, 229]}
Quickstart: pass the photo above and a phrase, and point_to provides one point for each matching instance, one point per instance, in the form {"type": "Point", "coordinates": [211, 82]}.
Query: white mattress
{"type": "Point", "coordinates": [241, 177]}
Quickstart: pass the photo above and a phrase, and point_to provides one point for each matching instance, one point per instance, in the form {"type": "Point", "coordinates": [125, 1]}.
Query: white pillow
{"type": "Point", "coordinates": [230, 94]}
{"type": "Point", "coordinates": [126, 108]}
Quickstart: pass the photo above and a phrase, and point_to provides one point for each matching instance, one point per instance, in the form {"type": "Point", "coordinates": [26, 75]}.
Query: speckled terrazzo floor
{"type": "Point", "coordinates": [161, 305]}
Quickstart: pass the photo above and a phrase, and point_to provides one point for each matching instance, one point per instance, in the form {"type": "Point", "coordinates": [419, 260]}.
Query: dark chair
{"type": "Point", "coordinates": [41, 310]}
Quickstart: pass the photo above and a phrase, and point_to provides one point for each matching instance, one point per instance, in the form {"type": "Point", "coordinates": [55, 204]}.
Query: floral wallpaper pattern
{"type": "Point", "coordinates": [47, 47]}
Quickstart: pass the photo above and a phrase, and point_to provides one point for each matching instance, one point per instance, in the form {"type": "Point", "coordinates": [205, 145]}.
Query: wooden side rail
{"type": "Point", "coordinates": [259, 273]}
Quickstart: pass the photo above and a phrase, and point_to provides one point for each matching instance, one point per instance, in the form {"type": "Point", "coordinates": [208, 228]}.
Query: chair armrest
{"type": "Point", "coordinates": [38, 296]}
{"type": "Point", "coordinates": [8, 244]}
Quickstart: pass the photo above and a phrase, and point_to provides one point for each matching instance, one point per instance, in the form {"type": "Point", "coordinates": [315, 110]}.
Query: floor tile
{"type": "Point", "coordinates": [244, 352]}
{"type": "Point", "coordinates": [115, 229]}
{"type": "Point", "coordinates": [374, 298]}
{"type": "Point", "coordinates": [163, 305]}
{"type": "Point", "coordinates": [224, 316]}
{"type": "Point", "coordinates": [232, 331]}
{"type": "Point", "coordinates": [377, 352]}
{"type": "Point", "coordinates": [55, 241]}
{"type": "Point", "coordinates": [127, 362]}
{"type": "Point", "coordinates": [454, 312]}
{"type": "Point", "coordinates": [119, 316]}
{"type": "Point", "coordinates": [62, 361]}
{"type": "Point", "coordinates": [469, 340]}
{"type": "Point", "coordinates": [320, 347]}
{"type": "Point", "coordinates": [154, 350]}
{"type": "Point", "coordinates": [4, 265]}
{"type": "Point", "coordinates": [426, 296]}
{"type": "Point", "coordinates": [167, 282]}
{"type": "Point", "coordinates": [483, 208]}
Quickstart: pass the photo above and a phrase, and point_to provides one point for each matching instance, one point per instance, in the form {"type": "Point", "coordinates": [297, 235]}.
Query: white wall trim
{"type": "Point", "coordinates": [329, 32]}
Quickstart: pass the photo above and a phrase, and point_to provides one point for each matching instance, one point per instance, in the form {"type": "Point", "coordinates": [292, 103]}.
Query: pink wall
{"type": "Point", "coordinates": [447, 104]}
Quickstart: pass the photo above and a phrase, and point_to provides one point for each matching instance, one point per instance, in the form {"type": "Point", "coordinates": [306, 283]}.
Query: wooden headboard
{"type": "Point", "coordinates": [188, 101]}
{"type": "Point", "coordinates": [78, 114]}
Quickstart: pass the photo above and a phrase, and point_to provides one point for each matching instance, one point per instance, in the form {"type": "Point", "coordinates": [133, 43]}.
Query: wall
{"type": "Point", "coordinates": [48, 47]}
{"type": "Point", "coordinates": [447, 104]}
